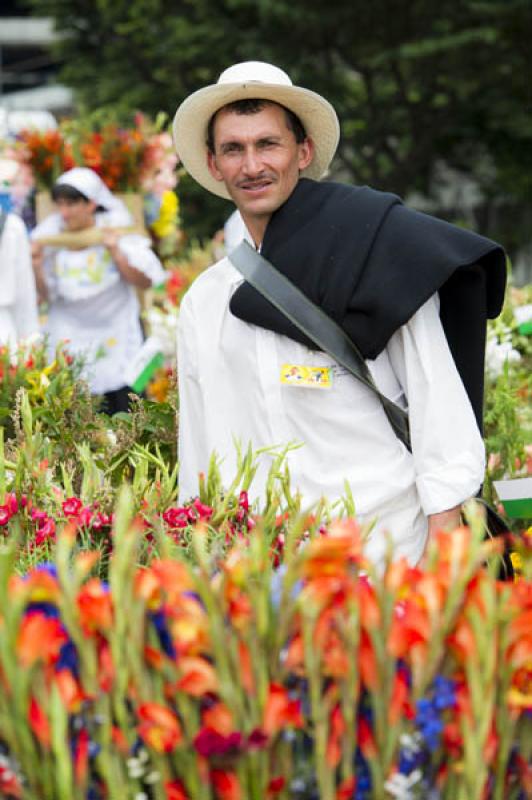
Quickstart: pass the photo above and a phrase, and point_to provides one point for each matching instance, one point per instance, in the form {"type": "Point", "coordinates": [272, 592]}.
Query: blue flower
{"type": "Point", "coordinates": [159, 621]}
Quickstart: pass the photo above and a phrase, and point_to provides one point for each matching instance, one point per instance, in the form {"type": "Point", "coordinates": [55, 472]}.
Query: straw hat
{"type": "Point", "coordinates": [249, 80]}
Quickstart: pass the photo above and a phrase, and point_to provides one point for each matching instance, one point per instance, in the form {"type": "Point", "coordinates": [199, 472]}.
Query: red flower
{"type": "Point", "coordinates": [81, 757]}
{"type": "Point", "coordinates": [275, 786]}
{"type": "Point", "coordinates": [39, 723]}
{"type": "Point", "coordinates": [209, 742]}
{"type": "Point", "coordinates": [71, 506]}
{"type": "Point", "coordinates": [175, 791]}
{"type": "Point", "coordinates": [226, 785]}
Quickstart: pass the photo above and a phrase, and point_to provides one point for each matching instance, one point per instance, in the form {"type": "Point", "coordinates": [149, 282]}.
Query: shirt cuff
{"type": "Point", "coordinates": [449, 486]}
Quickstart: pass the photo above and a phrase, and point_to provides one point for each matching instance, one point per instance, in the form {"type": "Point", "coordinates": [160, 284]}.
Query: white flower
{"type": "Point", "coordinates": [498, 353]}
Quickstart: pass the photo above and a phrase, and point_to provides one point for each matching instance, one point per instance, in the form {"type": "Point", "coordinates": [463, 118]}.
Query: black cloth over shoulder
{"type": "Point", "coordinates": [370, 262]}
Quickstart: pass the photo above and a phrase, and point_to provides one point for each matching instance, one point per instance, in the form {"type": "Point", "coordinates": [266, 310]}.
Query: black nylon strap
{"type": "Point", "coordinates": [315, 324]}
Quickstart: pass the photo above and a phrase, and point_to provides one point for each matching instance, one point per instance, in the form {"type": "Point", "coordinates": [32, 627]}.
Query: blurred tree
{"type": "Point", "coordinates": [421, 87]}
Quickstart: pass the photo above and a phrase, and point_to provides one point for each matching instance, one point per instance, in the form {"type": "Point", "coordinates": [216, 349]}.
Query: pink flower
{"type": "Point", "coordinates": [176, 517]}
{"type": "Point", "coordinates": [5, 516]}
{"type": "Point", "coordinates": [71, 506]}
{"type": "Point", "coordinates": [45, 532]}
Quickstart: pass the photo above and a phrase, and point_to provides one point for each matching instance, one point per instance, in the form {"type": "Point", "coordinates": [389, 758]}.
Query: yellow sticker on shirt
{"type": "Point", "coordinates": [308, 377]}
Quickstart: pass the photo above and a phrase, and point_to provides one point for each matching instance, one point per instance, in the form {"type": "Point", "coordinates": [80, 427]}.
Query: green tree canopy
{"type": "Point", "coordinates": [419, 86]}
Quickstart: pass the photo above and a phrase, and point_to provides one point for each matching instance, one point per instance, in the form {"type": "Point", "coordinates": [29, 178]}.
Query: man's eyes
{"type": "Point", "coordinates": [263, 144]}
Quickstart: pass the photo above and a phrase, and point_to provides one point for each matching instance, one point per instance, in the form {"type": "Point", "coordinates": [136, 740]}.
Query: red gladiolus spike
{"type": "Point", "coordinates": [366, 739]}
{"type": "Point", "coordinates": [175, 790]}
{"type": "Point", "coordinates": [39, 723]}
{"type": "Point", "coordinates": [226, 785]}
{"type": "Point", "coordinates": [275, 786]}
{"type": "Point", "coordinates": [346, 789]}
{"type": "Point", "coordinates": [81, 757]}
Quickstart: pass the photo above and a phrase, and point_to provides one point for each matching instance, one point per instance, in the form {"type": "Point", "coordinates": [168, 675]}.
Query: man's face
{"type": "Point", "coordinates": [77, 214]}
{"type": "Point", "coordinates": [259, 160]}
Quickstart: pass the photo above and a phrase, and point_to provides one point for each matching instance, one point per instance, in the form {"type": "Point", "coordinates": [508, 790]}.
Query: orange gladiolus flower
{"type": "Point", "coordinates": [70, 690]}
{"type": "Point", "coordinates": [159, 727]}
{"type": "Point", "coordinates": [462, 641]}
{"type": "Point", "coordinates": [39, 586]}
{"type": "Point", "coordinates": [410, 626]}
{"type": "Point", "coordinates": [280, 711]}
{"type": "Point", "coordinates": [219, 718]}
{"type": "Point", "coordinates": [198, 677]}
{"type": "Point", "coordinates": [95, 606]}
{"type": "Point", "coordinates": [520, 693]}
{"type": "Point", "coordinates": [246, 668]}
{"type": "Point", "coordinates": [336, 732]}
{"type": "Point", "coordinates": [367, 661]}
{"type": "Point", "coordinates": [40, 638]}
{"type": "Point", "coordinates": [335, 554]}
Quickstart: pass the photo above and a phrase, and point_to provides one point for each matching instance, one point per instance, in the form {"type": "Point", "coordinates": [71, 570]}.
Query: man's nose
{"type": "Point", "coordinates": [252, 161]}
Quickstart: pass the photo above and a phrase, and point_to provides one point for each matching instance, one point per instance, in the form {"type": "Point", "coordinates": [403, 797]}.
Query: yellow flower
{"type": "Point", "coordinates": [166, 222]}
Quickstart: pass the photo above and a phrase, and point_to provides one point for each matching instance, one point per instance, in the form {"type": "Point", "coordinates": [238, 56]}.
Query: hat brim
{"type": "Point", "coordinates": [192, 118]}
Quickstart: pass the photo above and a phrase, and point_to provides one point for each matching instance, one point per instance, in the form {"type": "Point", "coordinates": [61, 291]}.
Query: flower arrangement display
{"type": "Point", "coordinates": [128, 159]}
{"type": "Point", "coordinates": [237, 675]}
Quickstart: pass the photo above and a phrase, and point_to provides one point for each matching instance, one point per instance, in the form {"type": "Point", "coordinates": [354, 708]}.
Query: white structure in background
{"type": "Point", "coordinates": [27, 64]}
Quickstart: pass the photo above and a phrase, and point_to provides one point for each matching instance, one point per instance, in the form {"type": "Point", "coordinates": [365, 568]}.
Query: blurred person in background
{"type": "Point", "coordinates": [18, 299]}
{"type": "Point", "coordinates": [90, 290]}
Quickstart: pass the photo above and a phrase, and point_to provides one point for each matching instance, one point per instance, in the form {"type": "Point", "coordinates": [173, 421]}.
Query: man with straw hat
{"type": "Point", "coordinates": [88, 262]}
{"type": "Point", "coordinates": [387, 275]}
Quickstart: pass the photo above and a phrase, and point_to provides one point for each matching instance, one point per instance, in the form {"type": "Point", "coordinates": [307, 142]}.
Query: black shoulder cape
{"type": "Point", "coordinates": [370, 262]}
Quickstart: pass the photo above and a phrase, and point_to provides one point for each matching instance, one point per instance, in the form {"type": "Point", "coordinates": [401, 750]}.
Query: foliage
{"type": "Point", "coordinates": [229, 677]}
{"type": "Point", "coordinates": [416, 84]}
{"type": "Point", "coordinates": [51, 386]}
{"type": "Point", "coordinates": [508, 414]}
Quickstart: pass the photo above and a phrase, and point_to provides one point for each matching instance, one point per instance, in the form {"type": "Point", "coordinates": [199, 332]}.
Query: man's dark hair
{"type": "Point", "coordinates": [62, 191]}
{"type": "Point", "coordinates": [253, 106]}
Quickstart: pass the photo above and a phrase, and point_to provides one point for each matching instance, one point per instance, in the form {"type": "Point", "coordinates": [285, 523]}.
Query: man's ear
{"type": "Point", "coordinates": [306, 153]}
{"type": "Point", "coordinates": [213, 169]}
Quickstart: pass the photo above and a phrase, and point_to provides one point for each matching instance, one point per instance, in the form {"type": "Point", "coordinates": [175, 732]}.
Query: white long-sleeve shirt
{"type": "Point", "coordinates": [18, 297]}
{"type": "Point", "coordinates": [231, 386]}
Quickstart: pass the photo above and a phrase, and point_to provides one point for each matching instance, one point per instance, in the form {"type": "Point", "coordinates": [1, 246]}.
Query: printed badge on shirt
{"type": "Point", "coordinates": [307, 377]}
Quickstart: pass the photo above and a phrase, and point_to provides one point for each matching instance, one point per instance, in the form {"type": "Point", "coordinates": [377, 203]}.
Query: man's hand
{"type": "Point", "coordinates": [110, 239]}
{"type": "Point", "coordinates": [443, 520]}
